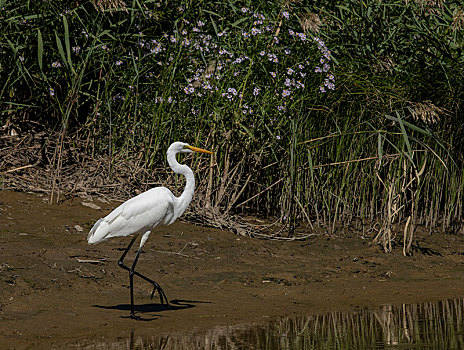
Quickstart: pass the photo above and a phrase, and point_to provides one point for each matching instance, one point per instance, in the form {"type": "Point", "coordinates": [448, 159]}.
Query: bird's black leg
{"type": "Point", "coordinates": [131, 279]}
{"type": "Point", "coordinates": [156, 286]}
{"type": "Point", "coordinates": [121, 260]}
{"type": "Point", "coordinates": [132, 272]}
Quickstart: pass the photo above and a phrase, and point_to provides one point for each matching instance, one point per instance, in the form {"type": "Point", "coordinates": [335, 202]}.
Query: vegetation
{"type": "Point", "coordinates": [331, 114]}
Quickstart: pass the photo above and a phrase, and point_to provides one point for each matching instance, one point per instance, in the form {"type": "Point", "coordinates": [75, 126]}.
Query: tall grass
{"type": "Point", "coordinates": [333, 114]}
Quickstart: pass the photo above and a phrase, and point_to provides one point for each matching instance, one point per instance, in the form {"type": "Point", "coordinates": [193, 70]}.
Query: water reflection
{"type": "Point", "coordinates": [410, 326]}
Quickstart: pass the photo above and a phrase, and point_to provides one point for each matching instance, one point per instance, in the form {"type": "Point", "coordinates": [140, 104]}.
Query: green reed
{"type": "Point", "coordinates": [330, 114]}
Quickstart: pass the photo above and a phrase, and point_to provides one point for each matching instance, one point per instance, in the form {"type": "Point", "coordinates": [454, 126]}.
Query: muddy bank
{"type": "Point", "coordinates": [56, 289]}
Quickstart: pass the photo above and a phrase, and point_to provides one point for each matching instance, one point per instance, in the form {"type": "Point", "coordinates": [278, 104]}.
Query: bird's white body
{"type": "Point", "coordinates": [158, 206]}
{"type": "Point", "coordinates": [138, 215]}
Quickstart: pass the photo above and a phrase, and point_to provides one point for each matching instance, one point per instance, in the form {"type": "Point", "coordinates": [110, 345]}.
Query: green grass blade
{"type": "Point", "coordinates": [236, 23]}
{"type": "Point", "coordinates": [405, 135]}
{"type": "Point", "coordinates": [66, 43]}
{"type": "Point", "coordinates": [379, 147]}
{"type": "Point", "coordinates": [60, 48]}
{"type": "Point", "coordinates": [40, 49]}
{"type": "Point", "coordinates": [15, 50]}
{"type": "Point", "coordinates": [409, 125]}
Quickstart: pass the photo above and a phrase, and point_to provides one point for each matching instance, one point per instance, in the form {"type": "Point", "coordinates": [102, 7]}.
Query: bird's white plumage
{"type": "Point", "coordinates": [138, 215]}
{"type": "Point", "coordinates": [149, 209]}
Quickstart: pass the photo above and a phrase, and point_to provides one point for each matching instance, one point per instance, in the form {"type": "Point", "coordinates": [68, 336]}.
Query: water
{"type": "Point", "coordinates": [437, 325]}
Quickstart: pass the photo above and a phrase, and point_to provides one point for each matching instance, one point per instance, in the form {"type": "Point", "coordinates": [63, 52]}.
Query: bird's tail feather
{"type": "Point", "coordinates": [94, 236]}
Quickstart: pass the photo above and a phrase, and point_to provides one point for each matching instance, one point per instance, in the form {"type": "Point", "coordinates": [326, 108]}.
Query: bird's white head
{"type": "Point", "coordinates": [181, 147]}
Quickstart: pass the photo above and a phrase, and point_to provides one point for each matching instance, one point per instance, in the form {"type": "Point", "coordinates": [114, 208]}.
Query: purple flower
{"type": "Point", "coordinates": [189, 89]}
{"type": "Point", "coordinates": [302, 36]}
{"type": "Point", "coordinates": [232, 91]}
{"type": "Point", "coordinates": [329, 84]}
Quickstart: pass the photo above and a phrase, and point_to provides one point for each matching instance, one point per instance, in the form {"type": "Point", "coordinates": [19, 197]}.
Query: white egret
{"type": "Point", "coordinates": [141, 214]}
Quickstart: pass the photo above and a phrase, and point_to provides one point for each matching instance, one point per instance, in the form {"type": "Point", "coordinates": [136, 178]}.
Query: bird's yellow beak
{"type": "Point", "coordinates": [196, 149]}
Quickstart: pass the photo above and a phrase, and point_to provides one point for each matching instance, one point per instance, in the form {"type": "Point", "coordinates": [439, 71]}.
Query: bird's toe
{"type": "Point", "coordinates": [135, 317]}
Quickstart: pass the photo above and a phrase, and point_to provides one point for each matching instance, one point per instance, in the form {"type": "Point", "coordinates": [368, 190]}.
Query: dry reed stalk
{"type": "Point", "coordinates": [411, 223]}
{"type": "Point", "coordinates": [390, 209]}
{"type": "Point", "coordinates": [210, 181]}
{"type": "Point", "coordinates": [110, 5]}
{"type": "Point", "coordinates": [383, 63]}
{"type": "Point", "coordinates": [403, 194]}
{"type": "Point", "coordinates": [237, 194]}
{"type": "Point", "coordinates": [458, 19]}
{"type": "Point", "coordinates": [216, 198]}
{"type": "Point", "coordinates": [56, 166]}
{"type": "Point", "coordinates": [426, 111]}
{"type": "Point", "coordinates": [430, 6]}
{"type": "Point", "coordinates": [261, 192]}
{"type": "Point", "coordinates": [225, 175]}
{"type": "Point", "coordinates": [310, 22]}
{"type": "Point", "coordinates": [18, 168]}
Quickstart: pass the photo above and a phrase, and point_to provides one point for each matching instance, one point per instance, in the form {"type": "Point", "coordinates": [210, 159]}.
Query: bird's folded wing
{"type": "Point", "coordinates": [139, 214]}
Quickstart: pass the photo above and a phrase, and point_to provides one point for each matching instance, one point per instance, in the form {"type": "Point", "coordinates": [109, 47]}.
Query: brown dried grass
{"type": "Point", "coordinates": [27, 164]}
{"type": "Point", "coordinates": [310, 22]}
{"type": "Point", "coordinates": [458, 19]}
{"type": "Point", "coordinates": [110, 5]}
{"type": "Point", "coordinates": [426, 111]}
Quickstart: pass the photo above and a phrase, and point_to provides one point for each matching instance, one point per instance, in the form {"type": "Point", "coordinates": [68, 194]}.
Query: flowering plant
{"type": "Point", "coordinates": [262, 60]}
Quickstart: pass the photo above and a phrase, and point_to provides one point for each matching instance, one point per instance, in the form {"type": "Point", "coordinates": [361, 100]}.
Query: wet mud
{"type": "Point", "coordinates": [56, 290]}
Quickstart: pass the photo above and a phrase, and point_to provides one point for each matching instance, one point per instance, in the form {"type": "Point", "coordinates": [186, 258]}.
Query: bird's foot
{"type": "Point", "coordinates": [162, 295]}
{"type": "Point", "coordinates": [134, 317]}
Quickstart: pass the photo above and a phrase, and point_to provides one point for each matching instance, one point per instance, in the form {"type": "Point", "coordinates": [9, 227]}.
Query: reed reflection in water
{"type": "Point", "coordinates": [437, 325]}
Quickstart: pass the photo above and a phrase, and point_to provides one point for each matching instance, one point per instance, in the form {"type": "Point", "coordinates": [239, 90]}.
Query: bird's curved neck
{"type": "Point", "coordinates": [186, 197]}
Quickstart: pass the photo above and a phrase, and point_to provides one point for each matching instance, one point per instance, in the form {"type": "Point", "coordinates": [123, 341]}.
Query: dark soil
{"type": "Point", "coordinates": [56, 289]}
